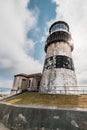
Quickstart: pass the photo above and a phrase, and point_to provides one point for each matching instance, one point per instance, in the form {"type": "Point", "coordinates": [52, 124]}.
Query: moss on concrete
{"type": "Point", "coordinates": [32, 98]}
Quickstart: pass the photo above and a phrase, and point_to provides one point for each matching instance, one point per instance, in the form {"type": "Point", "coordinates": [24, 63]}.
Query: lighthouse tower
{"type": "Point", "coordinates": [58, 73]}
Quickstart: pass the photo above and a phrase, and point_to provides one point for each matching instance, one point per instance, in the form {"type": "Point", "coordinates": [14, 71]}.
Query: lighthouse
{"type": "Point", "coordinates": [58, 74]}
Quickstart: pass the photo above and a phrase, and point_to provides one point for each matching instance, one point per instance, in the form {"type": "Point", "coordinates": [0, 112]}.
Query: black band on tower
{"type": "Point", "coordinates": [59, 61]}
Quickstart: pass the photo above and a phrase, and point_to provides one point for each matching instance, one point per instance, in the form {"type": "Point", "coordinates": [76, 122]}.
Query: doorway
{"type": "Point", "coordinates": [23, 85]}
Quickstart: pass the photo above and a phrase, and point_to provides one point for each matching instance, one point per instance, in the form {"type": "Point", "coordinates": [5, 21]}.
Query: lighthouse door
{"type": "Point", "coordinates": [23, 85]}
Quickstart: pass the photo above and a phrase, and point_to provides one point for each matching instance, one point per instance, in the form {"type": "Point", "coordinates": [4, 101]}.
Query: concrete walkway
{"type": "Point", "coordinates": [2, 127]}
{"type": "Point", "coordinates": [45, 107]}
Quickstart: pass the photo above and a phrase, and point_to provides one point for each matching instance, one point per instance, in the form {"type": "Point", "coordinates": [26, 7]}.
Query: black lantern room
{"type": "Point", "coordinates": [58, 32]}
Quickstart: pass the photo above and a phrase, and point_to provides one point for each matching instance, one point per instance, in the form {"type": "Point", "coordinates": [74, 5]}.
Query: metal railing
{"type": "Point", "coordinates": [69, 90]}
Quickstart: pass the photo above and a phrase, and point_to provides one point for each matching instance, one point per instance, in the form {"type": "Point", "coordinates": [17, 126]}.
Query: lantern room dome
{"type": "Point", "coordinates": [59, 26]}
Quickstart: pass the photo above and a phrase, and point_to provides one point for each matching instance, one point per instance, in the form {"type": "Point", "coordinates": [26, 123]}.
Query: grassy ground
{"type": "Point", "coordinates": [31, 98]}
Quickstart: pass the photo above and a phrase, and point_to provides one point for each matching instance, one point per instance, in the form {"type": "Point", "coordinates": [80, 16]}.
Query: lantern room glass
{"type": "Point", "coordinates": [59, 26]}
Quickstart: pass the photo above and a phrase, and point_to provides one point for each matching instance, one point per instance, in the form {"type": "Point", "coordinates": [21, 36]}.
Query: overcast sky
{"type": "Point", "coordinates": [24, 28]}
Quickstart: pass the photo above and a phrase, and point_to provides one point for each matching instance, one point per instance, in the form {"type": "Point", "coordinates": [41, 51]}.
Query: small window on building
{"type": "Point", "coordinates": [29, 83]}
{"type": "Point", "coordinates": [38, 84]}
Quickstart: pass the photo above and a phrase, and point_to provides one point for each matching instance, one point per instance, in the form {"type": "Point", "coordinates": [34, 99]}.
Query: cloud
{"type": "Point", "coordinates": [5, 82]}
{"type": "Point", "coordinates": [74, 13]}
{"type": "Point", "coordinates": [15, 48]}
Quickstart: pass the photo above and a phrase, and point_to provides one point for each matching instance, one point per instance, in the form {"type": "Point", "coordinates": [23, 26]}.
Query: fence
{"type": "Point", "coordinates": [69, 90]}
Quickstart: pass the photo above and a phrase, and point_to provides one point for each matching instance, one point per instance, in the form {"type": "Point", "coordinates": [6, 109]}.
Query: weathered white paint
{"type": "Point", "coordinates": [59, 48]}
{"type": "Point", "coordinates": [59, 80]}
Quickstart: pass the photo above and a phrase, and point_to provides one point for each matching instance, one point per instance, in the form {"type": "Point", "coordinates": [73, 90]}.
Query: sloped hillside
{"type": "Point", "coordinates": [33, 98]}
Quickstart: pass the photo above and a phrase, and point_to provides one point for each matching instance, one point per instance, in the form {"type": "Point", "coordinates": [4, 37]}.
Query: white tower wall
{"type": "Point", "coordinates": [58, 74]}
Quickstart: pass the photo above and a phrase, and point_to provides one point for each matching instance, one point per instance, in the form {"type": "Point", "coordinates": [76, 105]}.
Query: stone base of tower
{"type": "Point", "coordinates": [59, 81]}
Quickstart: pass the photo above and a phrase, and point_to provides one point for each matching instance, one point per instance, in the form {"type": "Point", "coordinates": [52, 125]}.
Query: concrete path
{"type": "Point", "coordinates": [46, 107]}
{"type": "Point", "coordinates": [2, 127]}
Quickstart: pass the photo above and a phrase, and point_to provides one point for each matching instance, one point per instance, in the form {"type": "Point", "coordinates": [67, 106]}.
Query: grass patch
{"type": "Point", "coordinates": [32, 98]}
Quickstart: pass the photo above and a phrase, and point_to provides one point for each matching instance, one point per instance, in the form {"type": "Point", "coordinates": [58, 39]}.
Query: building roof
{"type": "Point", "coordinates": [21, 74]}
{"type": "Point", "coordinates": [28, 76]}
{"type": "Point", "coordinates": [36, 74]}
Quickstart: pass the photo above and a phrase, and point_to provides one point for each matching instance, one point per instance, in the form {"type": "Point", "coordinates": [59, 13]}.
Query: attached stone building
{"type": "Point", "coordinates": [23, 82]}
